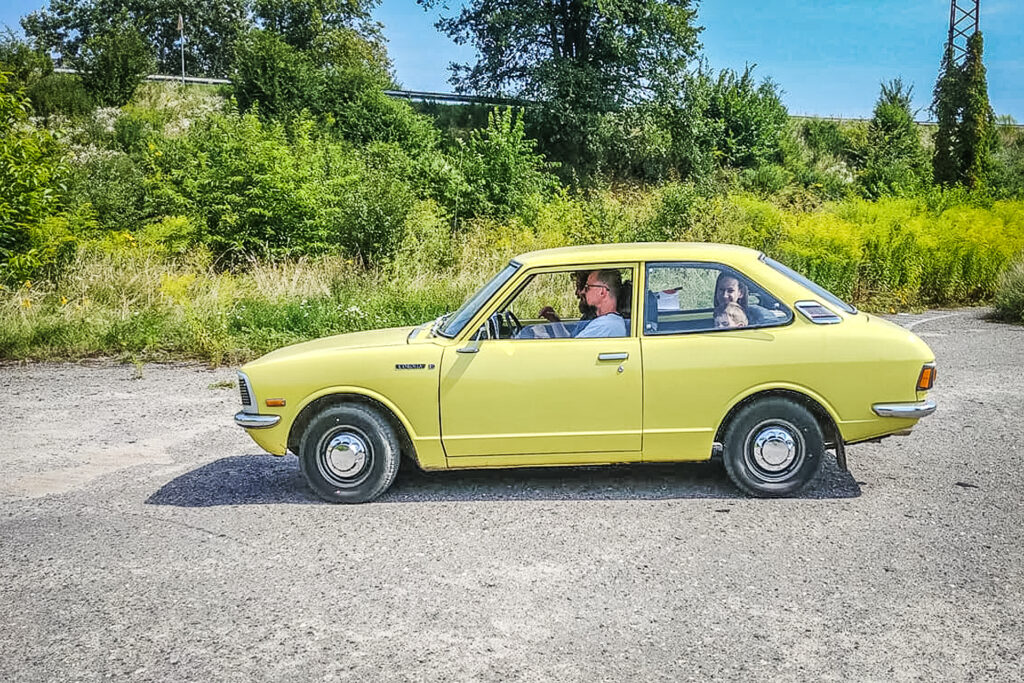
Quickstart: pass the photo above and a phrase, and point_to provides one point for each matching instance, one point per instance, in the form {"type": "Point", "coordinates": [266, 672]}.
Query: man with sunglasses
{"type": "Point", "coordinates": [602, 291]}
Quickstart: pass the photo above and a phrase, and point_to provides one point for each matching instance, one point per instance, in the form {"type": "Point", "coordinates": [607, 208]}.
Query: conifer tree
{"type": "Point", "coordinates": [946, 107]}
{"type": "Point", "coordinates": [978, 126]}
{"type": "Point", "coordinates": [966, 137]}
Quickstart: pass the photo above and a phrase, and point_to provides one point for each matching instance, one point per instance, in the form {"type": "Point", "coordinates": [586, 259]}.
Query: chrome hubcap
{"type": "Point", "coordinates": [345, 456]}
{"type": "Point", "coordinates": [774, 449]}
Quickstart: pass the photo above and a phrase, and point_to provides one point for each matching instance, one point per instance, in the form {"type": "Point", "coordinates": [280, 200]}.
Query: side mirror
{"type": "Point", "coordinates": [474, 344]}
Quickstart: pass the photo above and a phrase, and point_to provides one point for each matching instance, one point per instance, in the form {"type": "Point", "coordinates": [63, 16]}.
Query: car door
{"type": "Point", "coordinates": [543, 399]}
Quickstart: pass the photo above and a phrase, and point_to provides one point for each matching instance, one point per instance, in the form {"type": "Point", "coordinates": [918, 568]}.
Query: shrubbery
{"type": "Point", "coordinates": [1009, 298]}
{"type": "Point", "coordinates": [114, 61]}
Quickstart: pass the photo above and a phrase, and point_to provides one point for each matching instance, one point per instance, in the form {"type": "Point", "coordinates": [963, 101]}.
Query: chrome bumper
{"type": "Point", "coordinates": [911, 411]}
{"type": "Point", "coordinates": [256, 421]}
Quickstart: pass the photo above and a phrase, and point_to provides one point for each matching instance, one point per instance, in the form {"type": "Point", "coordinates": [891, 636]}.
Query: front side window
{"type": "Point", "coordinates": [581, 303]}
{"type": "Point", "coordinates": [700, 297]}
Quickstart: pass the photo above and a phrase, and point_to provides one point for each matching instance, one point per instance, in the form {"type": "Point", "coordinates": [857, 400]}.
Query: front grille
{"type": "Point", "coordinates": [243, 389]}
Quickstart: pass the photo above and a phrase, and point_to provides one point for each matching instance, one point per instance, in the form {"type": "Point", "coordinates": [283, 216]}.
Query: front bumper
{"type": "Point", "coordinates": [910, 411]}
{"type": "Point", "coordinates": [256, 421]}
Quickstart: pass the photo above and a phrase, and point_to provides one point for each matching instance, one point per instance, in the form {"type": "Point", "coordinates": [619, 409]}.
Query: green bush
{"type": "Point", "coordinates": [502, 171]}
{"type": "Point", "coordinates": [37, 231]}
{"type": "Point", "coordinates": [24, 64]}
{"type": "Point", "coordinates": [63, 94]}
{"type": "Point", "coordinates": [259, 189]}
{"type": "Point", "coordinates": [114, 185]}
{"type": "Point", "coordinates": [1009, 298]}
{"type": "Point", "coordinates": [113, 63]}
{"type": "Point", "coordinates": [340, 80]}
{"type": "Point", "coordinates": [896, 163]}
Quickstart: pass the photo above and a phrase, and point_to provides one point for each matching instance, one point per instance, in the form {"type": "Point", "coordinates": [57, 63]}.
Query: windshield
{"type": "Point", "coordinates": [461, 317]}
{"type": "Point", "coordinates": [813, 286]}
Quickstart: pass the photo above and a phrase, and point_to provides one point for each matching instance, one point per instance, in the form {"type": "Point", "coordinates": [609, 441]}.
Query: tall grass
{"type": "Point", "coordinates": [134, 301]}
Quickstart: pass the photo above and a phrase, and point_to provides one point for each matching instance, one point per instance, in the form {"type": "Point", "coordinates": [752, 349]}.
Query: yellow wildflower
{"type": "Point", "coordinates": [26, 303]}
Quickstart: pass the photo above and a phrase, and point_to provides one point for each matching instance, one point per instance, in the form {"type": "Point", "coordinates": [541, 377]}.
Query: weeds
{"type": "Point", "coordinates": [129, 300]}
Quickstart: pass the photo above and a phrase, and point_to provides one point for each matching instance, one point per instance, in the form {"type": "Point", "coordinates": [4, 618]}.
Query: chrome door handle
{"type": "Point", "coordinates": [613, 356]}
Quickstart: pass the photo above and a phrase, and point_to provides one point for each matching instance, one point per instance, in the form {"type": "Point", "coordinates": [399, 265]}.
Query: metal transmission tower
{"type": "Point", "coordinates": [963, 23]}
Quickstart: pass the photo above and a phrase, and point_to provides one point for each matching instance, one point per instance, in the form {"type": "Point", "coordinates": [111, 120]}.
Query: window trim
{"type": "Point", "coordinates": [527, 276]}
{"type": "Point", "coordinates": [709, 265]}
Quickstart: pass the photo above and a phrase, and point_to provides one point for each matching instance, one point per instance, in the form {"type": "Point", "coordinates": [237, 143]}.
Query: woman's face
{"type": "Point", "coordinates": [728, 291]}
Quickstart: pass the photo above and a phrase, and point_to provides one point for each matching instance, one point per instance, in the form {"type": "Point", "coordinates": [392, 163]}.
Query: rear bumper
{"type": "Point", "coordinates": [255, 421]}
{"type": "Point", "coordinates": [911, 411]}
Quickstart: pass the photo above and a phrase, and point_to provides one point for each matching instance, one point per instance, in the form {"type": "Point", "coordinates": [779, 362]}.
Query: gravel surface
{"type": "Point", "coordinates": [145, 537]}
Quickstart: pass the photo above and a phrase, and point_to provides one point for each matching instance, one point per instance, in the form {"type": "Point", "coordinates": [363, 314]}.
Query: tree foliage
{"type": "Point", "coordinates": [64, 27]}
{"type": "Point", "coordinates": [966, 136]}
{"type": "Point", "coordinates": [575, 60]}
{"type": "Point", "coordinates": [34, 225]}
{"type": "Point", "coordinates": [896, 163]}
{"type": "Point", "coordinates": [501, 168]}
{"type": "Point", "coordinates": [113, 62]}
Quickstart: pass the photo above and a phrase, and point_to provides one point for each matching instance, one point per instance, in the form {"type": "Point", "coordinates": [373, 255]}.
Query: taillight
{"type": "Point", "coordinates": [927, 377]}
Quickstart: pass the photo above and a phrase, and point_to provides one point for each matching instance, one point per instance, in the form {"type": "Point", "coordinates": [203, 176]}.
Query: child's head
{"type": "Point", "coordinates": [730, 315]}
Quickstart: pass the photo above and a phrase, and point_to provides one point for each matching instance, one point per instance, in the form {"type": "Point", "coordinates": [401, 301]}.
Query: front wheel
{"type": "Point", "coordinates": [773, 447]}
{"type": "Point", "coordinates": [349, 453]}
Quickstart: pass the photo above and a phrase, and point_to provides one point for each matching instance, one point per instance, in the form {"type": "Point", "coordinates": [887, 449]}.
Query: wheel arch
{"type": "Point", "coordinates": [349, 396]}
{"type": "Point", "coordinates": [822, 414]}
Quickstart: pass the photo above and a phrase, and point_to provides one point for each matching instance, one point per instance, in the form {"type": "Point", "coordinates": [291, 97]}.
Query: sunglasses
{"type": "Point", "coordinates": [586, 287]}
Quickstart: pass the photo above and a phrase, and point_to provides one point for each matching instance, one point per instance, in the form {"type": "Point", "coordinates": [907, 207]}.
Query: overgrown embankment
{"type": "Point", "coordinates": [127, 298]}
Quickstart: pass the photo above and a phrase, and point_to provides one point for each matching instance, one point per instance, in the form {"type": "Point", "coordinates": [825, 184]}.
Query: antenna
{"type": "Point", "coordinates": [963, 23]}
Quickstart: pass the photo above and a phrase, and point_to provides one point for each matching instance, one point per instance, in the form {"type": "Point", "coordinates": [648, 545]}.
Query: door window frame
{"type": "Point", "coordinates": [527, 275]}
{"type": "Point", "coordinates": [707, 265]}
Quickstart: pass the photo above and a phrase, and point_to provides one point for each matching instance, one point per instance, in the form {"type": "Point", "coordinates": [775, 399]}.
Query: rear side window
{"type": "Point", "coordinates": [700, 297]}
{"type": "Point", "coordinates": [818, 290]}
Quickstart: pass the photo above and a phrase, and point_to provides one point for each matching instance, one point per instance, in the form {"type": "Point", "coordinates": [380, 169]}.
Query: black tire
{"type": "Point", "coordinates": [349, 453]}
{"type": "Point", "coordinates": [773, 447]}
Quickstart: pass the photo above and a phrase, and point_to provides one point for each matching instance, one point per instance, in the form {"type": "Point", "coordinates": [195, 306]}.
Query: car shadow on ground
{"type": "Point", "coordinates": [262, 479]}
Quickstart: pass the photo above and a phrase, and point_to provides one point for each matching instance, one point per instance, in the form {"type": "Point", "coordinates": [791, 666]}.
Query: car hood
{"type": "Point", "coordinates": [393, 336]}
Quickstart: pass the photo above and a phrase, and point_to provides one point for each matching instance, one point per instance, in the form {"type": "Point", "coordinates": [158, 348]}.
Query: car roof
{"type": "Point", "coordinates": [637, 251]}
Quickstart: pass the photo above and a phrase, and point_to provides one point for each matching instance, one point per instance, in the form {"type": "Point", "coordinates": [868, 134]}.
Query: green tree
{"type": "Point", "coordinates": [576, 59]}
{"type": "Point", "coordinates": [64, 27]}
{"type": "Point", "coordinates": [501, 168]}
{"type": "Point", "coordinates": [302, 23]}
{"type": "Point", "coordinates": [114, 62]}
{"type": "Point", "coordinates": [977, 129]}
{"type": "Point", "coordinates": [896, 161]}
{"type": "Point", "coordinates": [966, 136]}
{"type": "Point", "coordinates": [24, 63]}
{"type": "Point", "coordinates": [327, 58]}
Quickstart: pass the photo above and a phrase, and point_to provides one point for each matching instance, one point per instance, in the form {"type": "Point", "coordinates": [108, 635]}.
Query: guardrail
{"type": "Point", "coordinates": [425, 96]}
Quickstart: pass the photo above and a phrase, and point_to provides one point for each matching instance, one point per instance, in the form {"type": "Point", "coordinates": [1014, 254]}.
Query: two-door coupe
{"type": "Point", "coordinates": [625, 353]}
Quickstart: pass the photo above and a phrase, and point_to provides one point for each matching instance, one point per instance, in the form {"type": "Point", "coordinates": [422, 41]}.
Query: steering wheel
{"type": "Point", "coordinates": [513, 323]}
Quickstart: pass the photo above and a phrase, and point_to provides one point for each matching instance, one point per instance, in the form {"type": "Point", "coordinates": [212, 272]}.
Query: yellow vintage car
{"type": "Point", "coordinates": [608, 354]}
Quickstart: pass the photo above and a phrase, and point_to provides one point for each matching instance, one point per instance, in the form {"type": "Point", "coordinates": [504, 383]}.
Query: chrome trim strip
{"type": "Point", "coordinates": [254, 421]}
{"type": "Point", "coordinates": [905, 410]}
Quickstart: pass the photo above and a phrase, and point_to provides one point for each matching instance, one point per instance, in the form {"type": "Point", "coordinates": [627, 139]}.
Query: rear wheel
{"type": "Point", "coordinates": [349, 453]}
{"type": "Point", "coordinates": [773, 447]}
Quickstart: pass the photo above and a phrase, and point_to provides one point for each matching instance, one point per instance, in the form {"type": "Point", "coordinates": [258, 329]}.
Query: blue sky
{"type": "Point", "coordinates": [828, 56]}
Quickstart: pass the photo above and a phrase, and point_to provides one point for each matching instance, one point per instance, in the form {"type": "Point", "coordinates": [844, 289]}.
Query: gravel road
{"type": "Point", "coordinates": [144, 537]}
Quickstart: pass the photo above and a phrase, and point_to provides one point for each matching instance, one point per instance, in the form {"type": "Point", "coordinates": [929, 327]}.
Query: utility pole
{"type": "Point", "coordinates": [181, 30]}
{"type": "Point", "coordinates": [963, 23]}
